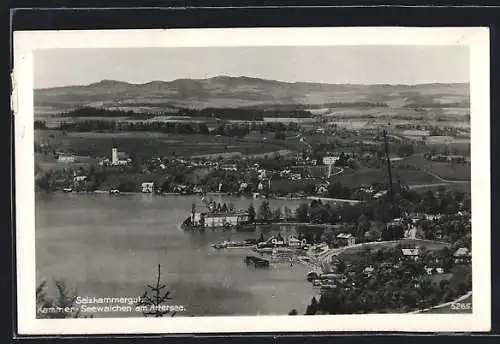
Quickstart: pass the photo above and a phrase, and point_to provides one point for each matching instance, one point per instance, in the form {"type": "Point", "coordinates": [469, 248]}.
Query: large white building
{"type": "Point", "coordinates": [219, 219]}
{"type": "Point", "coordinates": [66, 158]}
{"type": "Point", "coordinates": [330, 160]}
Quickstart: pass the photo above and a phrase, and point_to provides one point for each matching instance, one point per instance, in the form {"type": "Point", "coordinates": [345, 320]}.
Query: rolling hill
{"type": "Point", "coordinates": [225, 91]}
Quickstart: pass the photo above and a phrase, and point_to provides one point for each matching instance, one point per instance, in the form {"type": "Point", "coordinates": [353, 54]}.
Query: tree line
{"type": "Point", "coordinates": [117, 126]}
{"type": "Point", "coordinates": [88, 111]}
{"type": "Point", "coordinates": [173, 127]}
{"type": "Point", "coordinates": [273, 107]}
{"type": "Point", "coordinates": [450, 227]}
{"type": "Point", "coordinates": [245, 114]}
{"type": "Point", "coordinates": [241, 113]}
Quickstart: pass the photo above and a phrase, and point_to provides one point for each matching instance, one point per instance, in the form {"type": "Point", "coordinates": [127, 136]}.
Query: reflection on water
{"type": "Point", "coordinates": [110, 246]}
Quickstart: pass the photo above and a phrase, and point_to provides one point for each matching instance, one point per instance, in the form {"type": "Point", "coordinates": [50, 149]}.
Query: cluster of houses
{"type": "Point", "coordinates": [295, 172]}
{"type": "Point", "coordinates": [117, 158]}
{"type": "Point", "coordinates": [410, 223]}
{"type": "Point", "coordinates": [461, 256]}
{"type": "Point", "coordinates": [289, 174]}
{"type": "Point", "coordinates": [152, 187]}
{"type": "Point", "coordinates": [157, 163]}
{"type": "Point", "coordinates": [343, 279]}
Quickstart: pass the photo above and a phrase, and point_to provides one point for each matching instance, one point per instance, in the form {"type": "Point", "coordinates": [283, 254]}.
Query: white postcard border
{"type": "Point", "coordinates": [476, 38]}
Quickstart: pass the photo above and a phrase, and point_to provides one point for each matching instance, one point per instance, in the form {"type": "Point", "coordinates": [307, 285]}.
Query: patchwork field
{"type": "Point", "coordinates": [445, 170]}
{"type": "Point", "coordinates": [147, 144]}
{"type": "Point", "coordinates": [371, 175]}
{"type": "Point", "coordinates": [452, 172]}
{"type": "Point", "coordinates": [44, 163]}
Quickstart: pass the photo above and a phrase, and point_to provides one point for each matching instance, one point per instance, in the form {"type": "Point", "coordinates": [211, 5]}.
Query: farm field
{"type": "Point", "coordinates": [450, 171]}
{"type": "Point", "coordinates": [372, 175]}
{"type": "Point", "coordinates": [148, 143]}
{"type": "Point", "coordinates": [445, 170]}
{"type": "Point", "coordinates": [44, 162]}
{"type": "Point", "coordinates": [462, 147]}
{"type": "Point", "coordinates": [446, 140]}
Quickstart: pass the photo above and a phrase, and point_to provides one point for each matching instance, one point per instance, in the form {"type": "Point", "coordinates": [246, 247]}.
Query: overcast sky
{"type": "Point", "coordinates": [334, 64]}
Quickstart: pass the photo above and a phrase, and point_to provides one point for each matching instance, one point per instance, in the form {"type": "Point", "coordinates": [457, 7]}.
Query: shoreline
{"type": "Point", "coordinates": [314, 264]}
{"type": "Point", "coordinates": [225, 194]}
{"type": "Point", "coordinates": [328, 199]}
{"type": "Point", "coordinates": [279, 223]}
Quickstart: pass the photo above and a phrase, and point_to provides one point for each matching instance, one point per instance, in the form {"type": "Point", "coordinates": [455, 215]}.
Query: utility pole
{"type": "Point", "coordinates": [386, 144]}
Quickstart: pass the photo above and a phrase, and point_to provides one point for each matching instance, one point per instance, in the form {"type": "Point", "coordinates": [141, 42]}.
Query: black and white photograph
{"type": "Point", "coordinates": [209, 179]}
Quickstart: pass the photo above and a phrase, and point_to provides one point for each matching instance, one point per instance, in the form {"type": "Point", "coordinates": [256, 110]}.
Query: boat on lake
{"type": "Point", "coordinates": [256, 262]}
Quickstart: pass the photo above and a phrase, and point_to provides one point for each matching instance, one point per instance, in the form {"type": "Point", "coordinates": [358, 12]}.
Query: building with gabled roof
{"type": "Point", "coordinates": [346, 239]}
{"type": "Point", "coordinates": [410, 253]}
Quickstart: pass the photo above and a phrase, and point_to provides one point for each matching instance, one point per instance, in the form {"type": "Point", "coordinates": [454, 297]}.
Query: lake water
{"type": "Point", "coordinates": [110, 246]}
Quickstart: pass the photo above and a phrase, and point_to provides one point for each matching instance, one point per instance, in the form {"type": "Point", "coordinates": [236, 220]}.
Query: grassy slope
{"type": "Point", "coordinates": [353, 254]}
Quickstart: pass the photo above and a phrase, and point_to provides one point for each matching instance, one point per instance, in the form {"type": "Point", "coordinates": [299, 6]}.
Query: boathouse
{"type": "Point", "coordinates": [147, 187]}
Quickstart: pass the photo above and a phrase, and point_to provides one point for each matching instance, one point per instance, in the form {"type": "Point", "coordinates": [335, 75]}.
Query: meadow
{"type": "Point", "coordinates": [354, 253]}
{"type": "Point", "coordinates": [452, 172]}
{"type": "Point", "coordinates": [365, 175]}
{"type": "Point", "coordinates": [159, 144]}
{"type": "Point", "coordinates": [446, 170]}
{"type": "Point", "coordinates": [454, 187]}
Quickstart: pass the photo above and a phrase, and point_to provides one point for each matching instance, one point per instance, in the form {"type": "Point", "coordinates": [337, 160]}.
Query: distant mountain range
{"type": "Point", "coordinates": [225, 91]}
